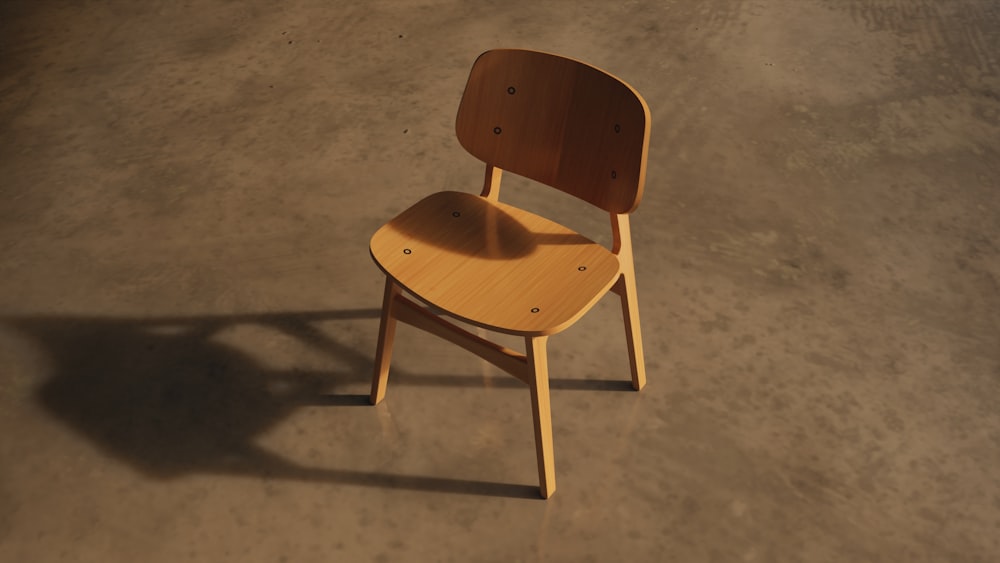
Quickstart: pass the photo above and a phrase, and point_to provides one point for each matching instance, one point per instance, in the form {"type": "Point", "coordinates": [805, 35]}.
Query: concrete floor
{"type": "Point", "coordinates": [188, 308]}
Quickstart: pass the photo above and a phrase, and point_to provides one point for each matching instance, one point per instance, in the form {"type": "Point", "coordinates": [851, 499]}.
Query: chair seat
{"type": "Point", "coordinates": [494, 265]}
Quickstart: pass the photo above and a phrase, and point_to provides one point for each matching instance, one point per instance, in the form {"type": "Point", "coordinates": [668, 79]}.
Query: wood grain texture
{"type": "Point", "coordinates": [560, 122]}
{"type": "Point", "coordinates": [493, 264]}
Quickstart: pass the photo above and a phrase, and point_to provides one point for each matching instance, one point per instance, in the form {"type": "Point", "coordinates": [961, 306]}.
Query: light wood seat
{"type": "Point", "coordinates": [564, 124]}
{"type": "Point", "coordinates": [492, 264]}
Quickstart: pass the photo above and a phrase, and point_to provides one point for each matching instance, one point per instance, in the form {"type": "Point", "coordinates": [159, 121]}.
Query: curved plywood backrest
{"type": "Point", "coordinates": [557, 121]}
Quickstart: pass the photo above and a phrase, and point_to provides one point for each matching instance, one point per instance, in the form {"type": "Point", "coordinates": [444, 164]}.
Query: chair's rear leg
{"type": "Point", "coordinates": [386, 334]}
{"type": "Point", "coordinates": [541, 413]}
{"type": "Point", "coordinates": [633, 335]}
{"type": "Point", "coordinates": [625, 287]}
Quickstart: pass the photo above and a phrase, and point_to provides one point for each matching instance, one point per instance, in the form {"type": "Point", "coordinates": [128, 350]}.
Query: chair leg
{"type": "Point", "coordinates": [541, 413]}
{"type": "Point", "coordinates": [386, 334]}
{"type": "Point", "coordinates": [633, 335]}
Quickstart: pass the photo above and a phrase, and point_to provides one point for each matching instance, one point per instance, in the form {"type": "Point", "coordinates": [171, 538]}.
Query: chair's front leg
{"type": "Point", "coordinates": [386, 334]}
{"type": "Point", "coordinates": [541, 413]}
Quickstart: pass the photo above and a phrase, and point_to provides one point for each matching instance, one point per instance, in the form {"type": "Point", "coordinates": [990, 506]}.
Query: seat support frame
{"type": "Point", "coordinates": [530, 367]}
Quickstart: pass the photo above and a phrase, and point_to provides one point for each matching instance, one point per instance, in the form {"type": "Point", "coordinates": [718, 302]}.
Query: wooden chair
{"type": "Point", "coordinates": [562, 123]}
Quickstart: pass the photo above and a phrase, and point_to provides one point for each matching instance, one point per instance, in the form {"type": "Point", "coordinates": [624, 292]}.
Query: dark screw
{"type": "Point", "coordinates": [582, 268]}
{"type": "Point", "coordinates": [614, 174]}
{"type": "Point", "coordinates": [456, 214]}
{"type": "Point", "coordinates": [497, 130]}
{"type": "Point", "coordinates": [535, 309]}
{"type": "Point", "coordinates": [618, 128]}
{"type": "Point", "coordinates": [511, 90]}
{"type": "Point", "coordinates": [407, 251]}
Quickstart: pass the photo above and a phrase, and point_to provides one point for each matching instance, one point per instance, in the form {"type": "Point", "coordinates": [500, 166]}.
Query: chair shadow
{"type": "Point", "coordinates": [169, 399]}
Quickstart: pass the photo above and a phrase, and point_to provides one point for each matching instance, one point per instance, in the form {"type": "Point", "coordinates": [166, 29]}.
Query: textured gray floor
{"type": "Point", "coordinates": [187, 302]}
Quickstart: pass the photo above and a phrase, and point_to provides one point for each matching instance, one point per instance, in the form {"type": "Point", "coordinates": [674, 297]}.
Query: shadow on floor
{"type": "Point", "coordinates": [170, 399]}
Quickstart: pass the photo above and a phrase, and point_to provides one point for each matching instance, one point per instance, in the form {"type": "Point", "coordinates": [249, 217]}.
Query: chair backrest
{"type": "Point", "coordinates": [557, 121]}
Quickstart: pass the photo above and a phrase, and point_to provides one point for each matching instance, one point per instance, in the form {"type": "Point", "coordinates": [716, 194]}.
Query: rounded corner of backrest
{"type": "Point", "coordinates": [633, 153]}
{"type": "Point", "coordinates": [466, 106]}
{"type": "Point", "coordinates": [644, 155]}
{"type": "Point", "coordinates": [647, 121]}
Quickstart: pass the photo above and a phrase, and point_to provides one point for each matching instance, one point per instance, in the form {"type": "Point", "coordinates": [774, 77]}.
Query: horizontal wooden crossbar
{"type": "Point", "coordinates": [511, 361]}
